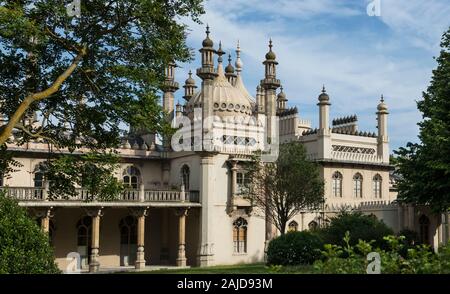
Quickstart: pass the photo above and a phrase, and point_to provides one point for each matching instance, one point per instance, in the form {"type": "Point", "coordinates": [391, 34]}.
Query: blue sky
{"type": "Point", "coordinates": [358, 57]}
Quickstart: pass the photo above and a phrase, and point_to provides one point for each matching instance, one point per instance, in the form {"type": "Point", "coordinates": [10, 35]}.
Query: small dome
{"type": "Point", "coordinates": [190, 81]}
{"type": "Point", "coordinates": [270, 55]}
{"type": "Point", "coordinates": [229, 68]}
{"type": "Point", "coordinates": [382, 106]}
{"type": "Point", "coordinates": [207, 42]}
{"type": "Point", "coordinates": [324, 96]}
{"type": "Point", "coordinates": [281, 96]}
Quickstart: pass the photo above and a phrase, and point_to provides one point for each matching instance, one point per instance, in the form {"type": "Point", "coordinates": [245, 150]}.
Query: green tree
{"type": "Point", "coordinates": [424, 168]}
{"type": "Point", "coordinates": [87, 75]}
{"type": "Point", "coordinates": [285, 187]}
{"type": "Point", "coordinates": [24, 248]}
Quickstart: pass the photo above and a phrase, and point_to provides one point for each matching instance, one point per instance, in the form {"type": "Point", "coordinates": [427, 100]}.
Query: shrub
{"type": "Point", "coordinates": [294, 248]}
{"type": "Point", "coordinates": [410, 240]}
{"type": "Point", "coordinates": [360, 227]}
{"type": "Point", "coordinates": [24, 248]}
{"type": "Point", "coordinates": [350, 259]}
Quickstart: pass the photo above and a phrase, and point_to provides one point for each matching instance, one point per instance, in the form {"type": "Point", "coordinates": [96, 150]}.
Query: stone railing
{"type": "Point", "coordinates": [82, 195]}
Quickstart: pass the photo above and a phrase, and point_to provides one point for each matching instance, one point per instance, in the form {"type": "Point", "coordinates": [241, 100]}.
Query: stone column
{"type": "Point", "coordinates": [205, 255]}
{"type": "Point", "coordinates": [181, 257]}
{"type": "Point", "coordinates": [140, 213]}
{"type": "Point", "coordinates": [164, 256]}
{"type": "Point", "coordinates": [303, 220]}
{"type": "Point", "coordinates": [233, 185]}
{"type": "Point", "coordinates": [96, 214]}
{"type": "Point", "coordinates": [44, 215]}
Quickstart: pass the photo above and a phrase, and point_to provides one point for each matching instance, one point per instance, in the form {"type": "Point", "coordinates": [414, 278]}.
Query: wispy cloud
{"type": "Point", "coordinates": [334, 42]}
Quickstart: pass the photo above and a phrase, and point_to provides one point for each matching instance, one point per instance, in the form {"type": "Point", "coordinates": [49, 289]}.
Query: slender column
{"type": "Point", "coordinates": [164, 257]}
{"type": "Point", "coordinates": [181, 257]}
{"type": "Point", "coordinates": [96, 214]}
{"type": "Point", "coordinates": [140, 255]}
{"type": "Point", "coordinates": [303, 220]}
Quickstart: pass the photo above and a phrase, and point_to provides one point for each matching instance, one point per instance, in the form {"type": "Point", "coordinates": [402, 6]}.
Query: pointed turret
{"type": "Point", "coordinates": [189, 87]}
{"type": "Point", "coordinates": [281, 100]}
{"type": "Point", "coordinates": [383, 139]}
{"type": "Point", "coordinates": [229, 71]}
{"type": "Point", "coordinates": [324, 110]}
{"type": "Point", "coordinates": [207, 71]}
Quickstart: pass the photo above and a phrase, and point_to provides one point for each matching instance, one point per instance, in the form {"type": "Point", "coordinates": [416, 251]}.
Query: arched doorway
{"type": "Point", "coordinates": [424, 226]}
{"type": "Point", "coordinates": [84, 240]}
{"type": "Point", "coordinates": [128, 240]}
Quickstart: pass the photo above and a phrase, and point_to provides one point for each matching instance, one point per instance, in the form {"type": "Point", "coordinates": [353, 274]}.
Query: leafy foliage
{"type": "Point", "coordinates": [285, 187]}
{"type": "Point", "coordinates": [294, 248]}
{"type": "Point", "coordinates": [424, 168]}
{"type": "Point", "coordinates": [352, 259]}
{"type": "Point", "coordinates": [24, 248]}
{"type": "Point", "coordinates": [87, 75]}
{"type": "Point", "coordinates": [360, 226]}
{"type": "Point", "coordinates": [7, 163]}
{"type": "Point", "coordinates": [91, 171]}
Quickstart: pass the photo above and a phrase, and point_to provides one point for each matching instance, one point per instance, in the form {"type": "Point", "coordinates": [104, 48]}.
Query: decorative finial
{"type": "Point", "coordinates": [281, 88]}
{"type": "Point", "coordinates": [323, 89]}
{"type": "Point", "coordinates": [207, 30]}
{"type": "Point", "coordinates": [190, 73]}
{"type": "Point", "coordinates": [270, 44]}
{"type": "Point", "coordinates": [238, 62]}
{"type": "Point", "coordinates": [220, 52]}
{"type": "Point", "coordinates": [382, 98]}
{"type": "Point", "coordinates": [229, 58]}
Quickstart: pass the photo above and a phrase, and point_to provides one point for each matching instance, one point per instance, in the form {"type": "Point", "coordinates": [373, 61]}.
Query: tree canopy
{"type": "Point", "coordinates": [24, 248]}
{"type": "Point", "coordinates": [424, 167]}
{"type": "Point", "coordinates": [285, 187]}
{"type": "Point", "coordinates": [87, 75]}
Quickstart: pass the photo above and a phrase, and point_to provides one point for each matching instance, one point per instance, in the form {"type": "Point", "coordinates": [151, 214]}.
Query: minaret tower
{"type": "Point", "coordinates": [281, 100]}
{"type": "Point", "coordinates": [229, 71]}
{"type": "Point", "coordinates": [324, 133]}
{"type": "Point", "coordinates": [270, 84]}
{"type": "Point", "coordinates": [189, 87]}
{"type": "Point", "coordinates": [383, 139]}
{"type": "Point", "coordinates": [207, 73]}
{"type": "Point", "coordinates": [169, 88]}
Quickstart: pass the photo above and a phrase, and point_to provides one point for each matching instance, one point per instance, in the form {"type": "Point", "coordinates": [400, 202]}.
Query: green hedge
{"type": "Point", "coordinates": [294, 248]}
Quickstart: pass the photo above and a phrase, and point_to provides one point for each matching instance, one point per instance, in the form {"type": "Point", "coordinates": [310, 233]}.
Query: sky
{"type": "Point", "coordinates": [357, 55]}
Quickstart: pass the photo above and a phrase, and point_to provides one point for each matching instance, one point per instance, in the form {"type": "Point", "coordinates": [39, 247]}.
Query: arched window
{"type": "Point", "coordinates": [424, 224]}
{"type": "Point", "coordinates": [293, 226]}
{"type": "Point", "coordinates": [84, 239]}
{"type": "Point", "coordinates": [357, 185]}
{"type": "Point", "coordinates": [242, 181]}
{"type": "Point", "coordinates": [131, 177]}
{"type": "Point", "coordinates": [128, 240]}
{"type": "Point", "coordinates": [376, 185]}
{"type": "Point", "coordinates": [313, 225]}
{"type": "Point", "coordinates": [240, 235]}
{"type": "Point", "coordinates": [185, 172]}
{"type": "Point", "coordinates": [337, 184]}
{"type": "Point", "coordinates": [38, 178]}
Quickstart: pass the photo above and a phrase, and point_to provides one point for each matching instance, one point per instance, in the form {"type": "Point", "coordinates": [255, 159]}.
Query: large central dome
{"type": "Point", "coordinates": [226, 98]}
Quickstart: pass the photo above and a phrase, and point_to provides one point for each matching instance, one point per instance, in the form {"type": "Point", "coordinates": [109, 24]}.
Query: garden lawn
{"type": "Point", "coordinates": [238, 269]}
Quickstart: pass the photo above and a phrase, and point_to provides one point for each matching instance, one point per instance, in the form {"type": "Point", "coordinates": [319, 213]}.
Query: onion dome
{"type": "Point", "coordinates": [324, 96]}
{"type": "Point", "coordinates": [207, 42]}
{"type": "Point", "coordinates": [281, 96]}
{"type": "Point", "coordinates": [382, 107]}
{"type": "Point", "coordinates": [190, 81]}
{"type": "Point", "coordinates": [229, 69]}
{"type": "Point", "coordinates": [270, 55]}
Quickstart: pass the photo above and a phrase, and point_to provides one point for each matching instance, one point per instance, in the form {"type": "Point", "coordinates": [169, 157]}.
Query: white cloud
{"type": "Point", "coordinates": [357, 65]}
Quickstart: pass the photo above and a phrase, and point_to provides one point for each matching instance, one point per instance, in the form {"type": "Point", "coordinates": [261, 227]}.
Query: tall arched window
{"type": "Point", "coordinates": [185, 172]}
{"type": "Point", "coordinates": [357, 185]}
{"type": "Point", "coordinates": [337, 184]}
{"type": "Point", "coordinates": [38, 178]}
{"type": "Point", "coordinates": [424, 224]}
{"type": "Point", "coordinates": [293, 226]}
{"type": "Point", "coordinates": [240, 235]}
{"type": "Point", "coordinates": [84, 239]}
{"type": "Point", "coordinates": [376, 185]}
{"type": "Point", "coordinates": [128, 240]}
{"type": "Point", "coordinates": [131, 177]}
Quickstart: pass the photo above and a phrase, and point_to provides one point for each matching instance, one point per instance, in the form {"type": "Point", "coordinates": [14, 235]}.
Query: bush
{"type": "Point", "coordinates": [410, 240]}
{"type": "Point", "coordinates": [24, 248]}
{"type": "Point", "coordinates": [350, 259]}
{"type": "Point", "coordinates": [294, 248]}
{"type": "Point", "coordinates": [360, 227]}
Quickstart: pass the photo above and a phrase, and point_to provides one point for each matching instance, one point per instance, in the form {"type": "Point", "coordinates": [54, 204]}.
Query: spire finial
{"type": "Point", "coordinates": [238, 62]}
{"type": "Point", "coordinates": [207, 30]}
{"type": "Point", "coordinates": [323, 89]}
{"type": "Point", "coordinates": [190, 73]}
{"type": "Point", "coordinates": [270, 44]}
{"type": "Point", "coordinates": [382, 98]}
{"type": "Point", "coordinates": [229, 58]}
{"type": "Point", "coordinates": [281, 88]}
{"type": "Point", "coordinates": [220, 52]}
